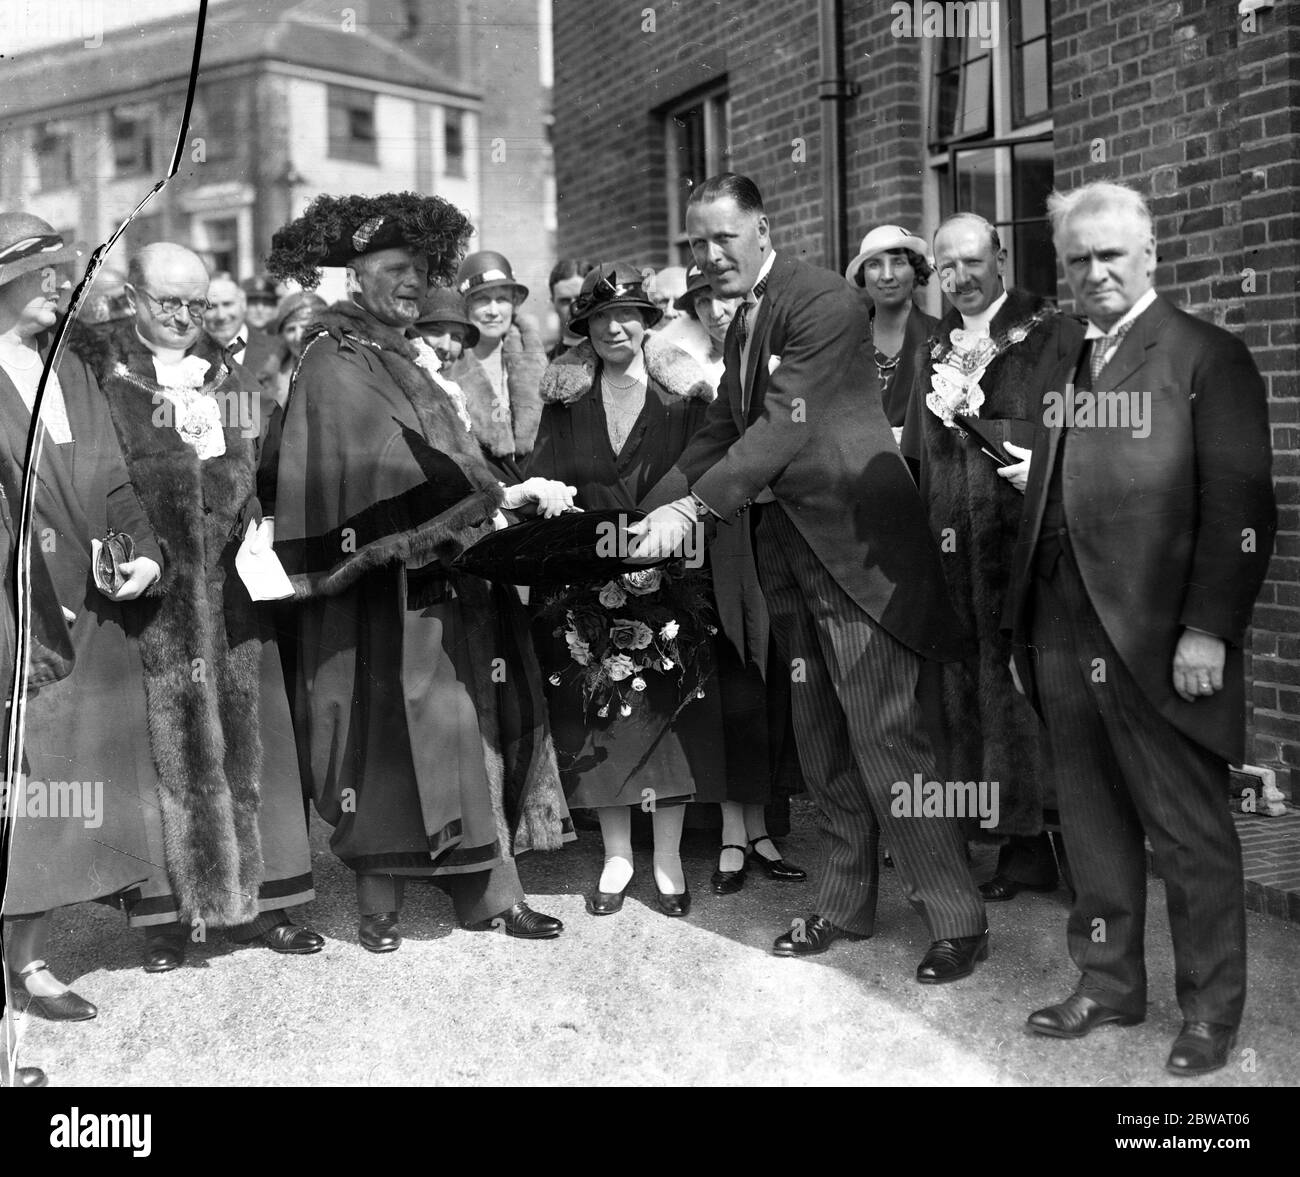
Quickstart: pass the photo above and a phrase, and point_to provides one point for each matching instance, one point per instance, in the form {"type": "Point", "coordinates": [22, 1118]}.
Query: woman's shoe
{"type": "Point", "coordinates": [674, 905]}
{"type": "Point", "coordinates": [66, 1007]}
{"type": "Point", "coordinates": [777, 868]}
{"type": "Point", "coordinates": [728, 882]}
{"type": "Point", "coordinates": [607, 902]}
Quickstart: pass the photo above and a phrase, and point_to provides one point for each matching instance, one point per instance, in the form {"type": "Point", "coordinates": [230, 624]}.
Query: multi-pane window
{"type": "Point", "coordinates": [131, 133]}
{"type": "Point", "coordinates": [352, 125]}
{"type": "Point", "coordinates": [216, 118]}
{"type": "Point", "coordinates": [222, 250]}
{"type": "Point", "coordinates": [453, 142]}
{"type": "Point", "coordinates": [696, 146]}
{"type": "Point", "coordinates": [990, 136]}
{"type": "Point", "coordinates": [53, 148]}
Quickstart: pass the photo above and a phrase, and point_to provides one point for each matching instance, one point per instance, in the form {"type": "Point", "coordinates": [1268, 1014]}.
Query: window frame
{"type": "Point", "coordinates": [715, 103]}
{"type": "Point", "coordinates": [352, 149]}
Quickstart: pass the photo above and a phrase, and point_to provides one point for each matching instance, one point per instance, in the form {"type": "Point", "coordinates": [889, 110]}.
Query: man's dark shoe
{"type": "Point", "coordinates": [378, 933]}
{"type": "Point", "coordinates": [728, 882]}
{"type": "Point", "coordinates": [950, 960]}
{"type": "Point", "coordinates": [811, 936]}
{"type": "Point", "coordinates": [776, 868]}
{"type": "Point", "coordinates": [292, 939]}
{"type": "Point", "coordinates": [1201, 1047]}
{"type": "Point", "coordinates": [521, 921]}
{"type": "Point", "coordinates": [1000, 888]}
{"type": "Point", "coordinates": [1076, 1016]}
{"type": "Point", "coordinates": [163, 953]}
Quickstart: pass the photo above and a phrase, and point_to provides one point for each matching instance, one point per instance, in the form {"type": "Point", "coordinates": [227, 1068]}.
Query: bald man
{"type": "Point", "coordinates": [227, 322]}
{"type": "Point", "coordinates": [232, 847]}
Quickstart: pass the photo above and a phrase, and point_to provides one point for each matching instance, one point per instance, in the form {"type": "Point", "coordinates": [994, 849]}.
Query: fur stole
{"type": "Point", "coordinates": [571, 376]}
{"type": "Point", "coordinates": [199, 639]}
{"type": "Point", "coordinates": [450, 510]}
{"type": "Point", "coordinates": [525, 361]}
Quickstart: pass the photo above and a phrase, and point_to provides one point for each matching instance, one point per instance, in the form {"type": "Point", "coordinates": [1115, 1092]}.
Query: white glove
{"type": "Point", "coordinates": [663, 532]}
{"type": "Point", "coordinates": [552, 498]}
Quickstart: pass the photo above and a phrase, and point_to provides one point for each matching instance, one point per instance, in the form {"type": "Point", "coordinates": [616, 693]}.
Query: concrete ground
{"type": "Point", "coordinates": [634, 998]}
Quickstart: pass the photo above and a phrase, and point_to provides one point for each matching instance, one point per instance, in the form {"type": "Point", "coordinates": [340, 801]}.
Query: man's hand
{"type": "Point", "coordinates": [1018, 474]}
{"type": "Point", "coordinates": [1198, 665]}
{"type": "Point", "coordinates": [140, 573]}
{"type": "Point", "coordinates": [663, 532]}
{"type": "Point", "coordinates": [552, 498]}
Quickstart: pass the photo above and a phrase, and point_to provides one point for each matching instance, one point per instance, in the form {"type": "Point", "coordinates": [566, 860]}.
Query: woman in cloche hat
{"type": "Point", "coordinates": [620, 409]}
{"type": "Point", "coordinates": [87, 730]}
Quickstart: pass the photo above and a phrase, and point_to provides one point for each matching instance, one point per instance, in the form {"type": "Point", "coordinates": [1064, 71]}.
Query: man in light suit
{"type": "Point", "coordinates": [1148, 523]}
{"type": "Point", "coordinates": [846, 562]}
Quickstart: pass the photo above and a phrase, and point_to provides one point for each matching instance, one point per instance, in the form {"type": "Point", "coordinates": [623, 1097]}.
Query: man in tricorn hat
{"type": "Point", "coordinates": [501, 373]}
{"type": "Point", "coordinates": [419, 699]}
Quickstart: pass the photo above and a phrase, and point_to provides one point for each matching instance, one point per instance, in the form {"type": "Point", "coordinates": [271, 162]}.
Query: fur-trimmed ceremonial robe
{"type": "Point", "coordinates": [233, 837]}
{"type": "Point", "coordinates": [419, 709]}
{"type": "Point", "coordinates": [507, 439]}
{"type": "Point", "coordinates": [990, 732]}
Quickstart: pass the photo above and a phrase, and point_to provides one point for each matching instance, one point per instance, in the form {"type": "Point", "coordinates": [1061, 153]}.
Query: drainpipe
{"type": "Point", "coordinates": [833, 90]}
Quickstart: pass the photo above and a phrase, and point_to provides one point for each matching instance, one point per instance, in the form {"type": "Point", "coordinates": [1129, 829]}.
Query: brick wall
{"type": "Point", "coordinates": [1186, 105]}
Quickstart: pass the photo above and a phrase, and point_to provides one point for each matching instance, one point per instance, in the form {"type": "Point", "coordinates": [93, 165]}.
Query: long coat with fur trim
{"type": "Point", "coordinates": [506, 440]}
{"type": "Point", "coordinates": [611, 761]}
{"type": "Point", "coordinates": [418, 702]}
{"type": "Point", "coordinates": [990, 731]}
{"type": "Point", "coordinates": [233, 839]}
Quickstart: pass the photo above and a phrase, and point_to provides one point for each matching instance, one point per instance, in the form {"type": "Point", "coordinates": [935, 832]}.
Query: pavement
{"type": "Point", "coordinates": [635, 998]}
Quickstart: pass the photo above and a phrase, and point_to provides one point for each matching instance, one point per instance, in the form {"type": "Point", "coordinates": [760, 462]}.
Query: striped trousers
{"type": "Point", "coordinates": [858, 728]}
{"type": "Point", "coordinates": [1124, 771]}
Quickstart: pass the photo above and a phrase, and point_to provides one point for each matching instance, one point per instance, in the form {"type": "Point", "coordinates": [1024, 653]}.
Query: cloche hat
{"type": "Point", "coordinates": [612, 284]}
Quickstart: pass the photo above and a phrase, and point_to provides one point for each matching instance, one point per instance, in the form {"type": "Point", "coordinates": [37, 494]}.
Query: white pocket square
{"type": "Point", "coordinates": [773, 363]}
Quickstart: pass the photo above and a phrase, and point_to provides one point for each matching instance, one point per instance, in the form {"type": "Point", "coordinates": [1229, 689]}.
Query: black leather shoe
{"type": "Point", "coordinates": [950, 960]}
{"type": "Point", "coordinates": [607, 902]}
{"type": "Point", "coordinates": [1000, 888]}
{"type": "Point", "coordinates": [66, 1007]}
{"type": "Point", "coordinates": [293, 940]}
{"type": "Point", "coordinates": [1201, 1047]}
{"type": "Point", "coordinates": [521, 921]}
{"type": "Point", "coordinates": [777, 868]}
{"type": "Point", "coordinates": [163, 953]}
{"type": "Point", "coordinates": [378, 933]}
{"type": "Point", "coordinates": [30, 1077]}
{"type": "Point", "coordinates": [674, 905]}
{"type": "Point", "coordinates": [728, 882]}
{"type": "Point", "coordinates": [1076, 1016]}
{"type": "Point", "coordinates": [811, 936]}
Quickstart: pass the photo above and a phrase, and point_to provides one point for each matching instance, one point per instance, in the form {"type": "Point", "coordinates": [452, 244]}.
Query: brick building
{"type": "Point", "coordinates": [851, 114]}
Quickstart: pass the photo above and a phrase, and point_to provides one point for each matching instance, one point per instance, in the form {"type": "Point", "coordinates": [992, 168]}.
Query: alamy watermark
{"type": "Point", "coordinates": [922, 798]}
{"type": "Point", "coordinates": [976, 18]}
{"type": "Point", "coordinates": [82, 800]}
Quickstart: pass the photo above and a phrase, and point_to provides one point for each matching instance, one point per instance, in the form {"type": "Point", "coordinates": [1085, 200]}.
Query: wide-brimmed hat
{"type": "Point", "coordinates": [882, 239]}
{"type": "Point", "coordinates": [335, 230]}
{"type": "Point", "coordinates": [696, 281]}
{"type": "Point", "coordinates": [28, 243]}
{"type": "Point", "coordinates": [488, 270]}
{"type": "Point", "coordinates": [259, 289]}
{"type": "Point", "coordinates": [291, 304]}
{"type": "Point", "coordinates": [612, 284]}
{"type": "Point", "coordinates": [444, 305]}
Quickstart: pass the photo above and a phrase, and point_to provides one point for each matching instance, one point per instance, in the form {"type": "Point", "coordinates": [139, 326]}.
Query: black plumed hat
{"type": "Point", "coordinates": [336, 229]}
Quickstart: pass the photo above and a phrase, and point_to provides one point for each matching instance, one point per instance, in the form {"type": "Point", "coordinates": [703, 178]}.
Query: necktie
{"type": "Point", "coordinates": [1103, 347]}
{"type": "Point", "coordinates": [742, 314]}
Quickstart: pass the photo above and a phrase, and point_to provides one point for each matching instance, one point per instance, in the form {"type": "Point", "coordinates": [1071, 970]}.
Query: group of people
{"type": "Point", "coordinates": [927, 564]}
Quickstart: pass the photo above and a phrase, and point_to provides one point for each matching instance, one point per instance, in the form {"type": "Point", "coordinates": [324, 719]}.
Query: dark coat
{"type": "Point", "coordinates": [989, 732]}
{"type": "Point", "coordinates": [828, 455]}
{"type": "Point", "coordinates": [898, 395]}
{"type": "Point", "coordinates": [506, 442]}
{"type": "Point", "coordinates": [87, 726]}
{"type": "Point", "coordinates": [259, 349]}
{"type": "Point", "coordinates": [201, 637]}
{"type": "Point", "coordinates": [611, 761]}
{"type": "Point", "coordinates": [417, 689]}
{"type": "Point", "coordinates": [1171, 529]}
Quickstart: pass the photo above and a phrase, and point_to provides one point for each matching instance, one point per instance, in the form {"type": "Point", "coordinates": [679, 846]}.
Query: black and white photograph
{"type": "Point", "coordinates": [690, 543]}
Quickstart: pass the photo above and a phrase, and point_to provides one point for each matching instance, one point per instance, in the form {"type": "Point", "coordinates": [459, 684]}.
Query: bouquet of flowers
{"type": "Point", "coordinates": [652, 621]}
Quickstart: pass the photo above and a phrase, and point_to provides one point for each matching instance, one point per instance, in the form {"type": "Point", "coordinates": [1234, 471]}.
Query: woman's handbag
{"type": "Point", "coordinates": [117, 547]}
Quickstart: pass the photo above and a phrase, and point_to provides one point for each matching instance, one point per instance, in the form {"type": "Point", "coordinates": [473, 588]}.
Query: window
{"type": "Point", "coordinates": [453, 142]}
{"type": "Point", "coordinates": [53, 146]}
{"type": "Point", "coordinates": [352, 125]}
{"type": "Point", "coordinates": [990, 137]}
{"type": "Point", "coordinates": [132, 135]}
{"type": "Point", "coordinates": [222, 250]}
{"type": "Point", "coordinates": [216, 119]}
{"type": "Point", "coordinates": [696, 146]}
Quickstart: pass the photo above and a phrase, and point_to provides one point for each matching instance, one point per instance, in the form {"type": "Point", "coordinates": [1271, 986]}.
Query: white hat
{"type": "Point", "coordinates": [880, 240]}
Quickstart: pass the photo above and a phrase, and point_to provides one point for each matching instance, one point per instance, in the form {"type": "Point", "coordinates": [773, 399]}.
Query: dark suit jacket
{"type": "Point", "coordinates": [815, 435]}
{"type": "Point", "coordinates": [1158, 523]}
{"type": "Point", "coordinates": [259, 350]}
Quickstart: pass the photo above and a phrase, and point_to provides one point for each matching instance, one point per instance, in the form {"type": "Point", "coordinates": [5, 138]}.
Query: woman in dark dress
{"type": "Point", "coordinates": [619, 411]}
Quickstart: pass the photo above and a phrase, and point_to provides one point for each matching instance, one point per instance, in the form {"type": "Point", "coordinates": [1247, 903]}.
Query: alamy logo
{"type": "Point", "coordinates": [613, 542]}
{"type": "Point", "coordinates": [922, 798]}
{"type": "Point", "coordinates": [83, 800]}
{"type": "Point", "coordinates": [975, 18]}
{"type": "Point", "coordinates": [78, 1129]}
{"type": "Point", "coordinates": [1115, 408]}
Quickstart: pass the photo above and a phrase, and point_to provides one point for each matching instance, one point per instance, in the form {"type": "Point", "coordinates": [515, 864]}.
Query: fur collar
{"type": "Point", "coordinates": [525, 361]}
{"type": "Point", "coordinates": [571, 376]}
{"type": "Point", "coordinates": [1017, 318]}
{"type": "Point", "coordinates": [102, 350]}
